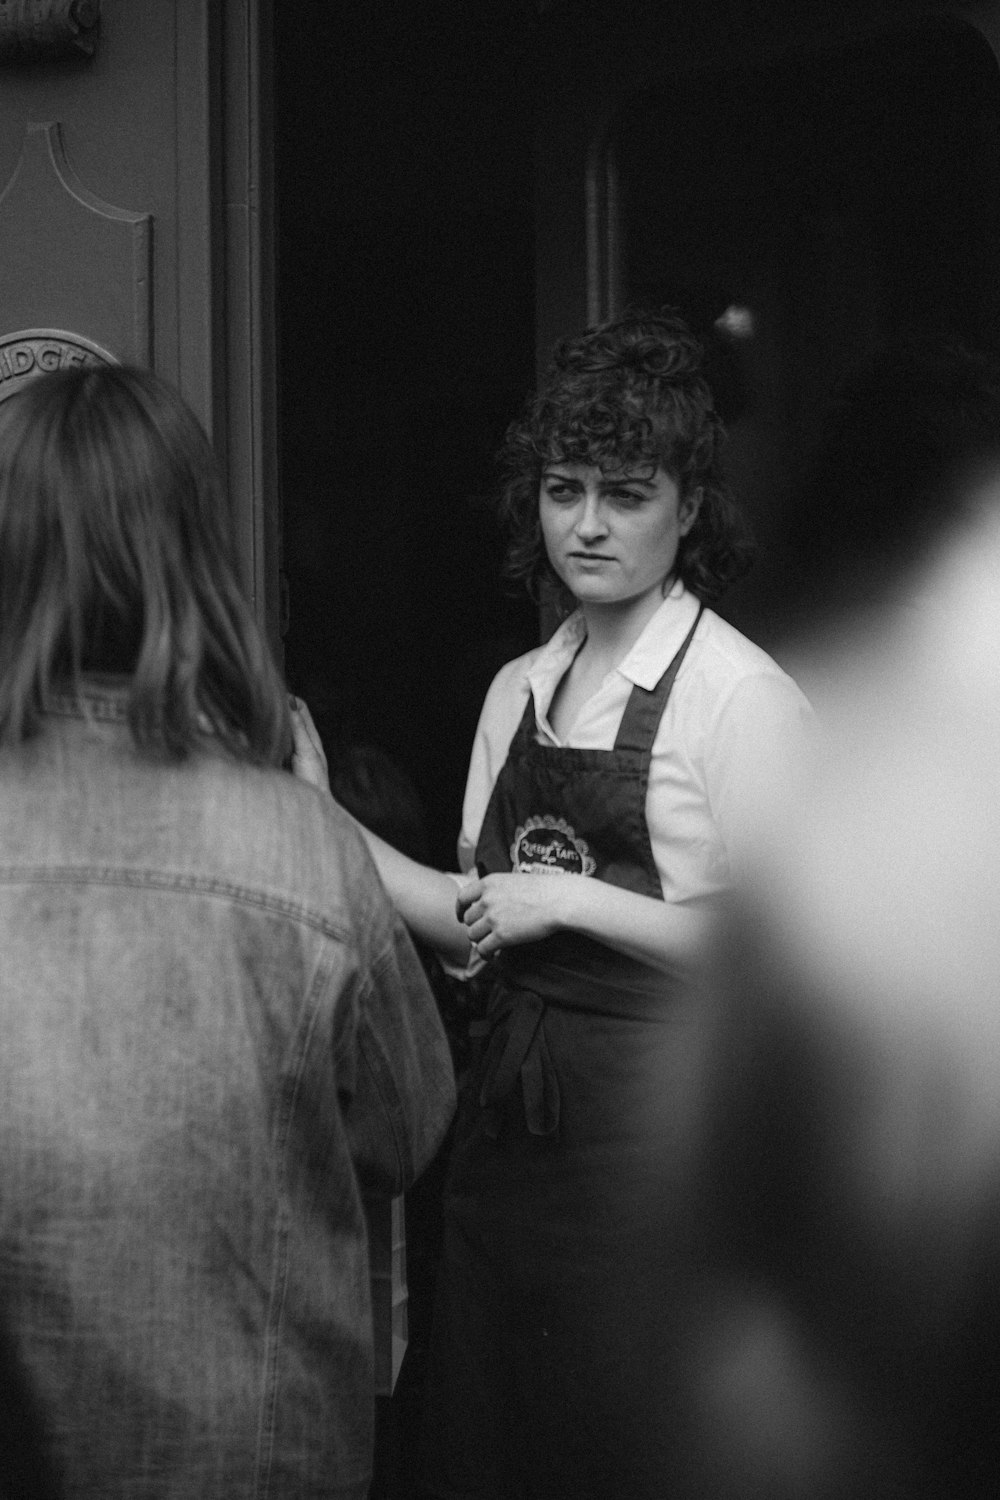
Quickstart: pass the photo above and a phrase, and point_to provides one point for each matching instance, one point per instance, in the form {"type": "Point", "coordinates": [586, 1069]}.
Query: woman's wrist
{"type": "Point", "coordinates": [577, 903]}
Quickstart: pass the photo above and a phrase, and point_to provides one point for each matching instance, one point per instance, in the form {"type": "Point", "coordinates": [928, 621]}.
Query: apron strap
{"type": "Point", "coordinates": [524, 734]}
{"type": "Point", "coordinates": [645, 706]}
{"type": "Point", "coordinates": [643, 710]}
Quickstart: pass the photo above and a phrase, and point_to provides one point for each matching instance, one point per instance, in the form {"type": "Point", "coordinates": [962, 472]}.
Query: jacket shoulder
{"type": "Point", "coordinates": [278, 838]}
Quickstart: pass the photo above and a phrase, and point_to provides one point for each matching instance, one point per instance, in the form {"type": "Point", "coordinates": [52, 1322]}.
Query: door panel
{"type": "Point", "coordinates": [135, 217]}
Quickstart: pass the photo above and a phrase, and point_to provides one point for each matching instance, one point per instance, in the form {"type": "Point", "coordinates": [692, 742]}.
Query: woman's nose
{"type": "Point", "coordinates": [590, 522]}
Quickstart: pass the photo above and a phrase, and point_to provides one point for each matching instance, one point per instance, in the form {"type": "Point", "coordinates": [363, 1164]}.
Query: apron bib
{"type": "Point", "coordinates": [560, 812]}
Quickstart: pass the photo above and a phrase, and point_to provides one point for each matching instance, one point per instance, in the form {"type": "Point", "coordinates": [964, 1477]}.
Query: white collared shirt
{"type": "Point", "coordinates": [733, 730]}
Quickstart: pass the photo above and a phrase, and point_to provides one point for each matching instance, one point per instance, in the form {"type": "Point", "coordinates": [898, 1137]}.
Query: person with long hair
{"type": "Point", "coordinates": [612, 792]}
{"type": "Point", "coordinates": [216, 1029]}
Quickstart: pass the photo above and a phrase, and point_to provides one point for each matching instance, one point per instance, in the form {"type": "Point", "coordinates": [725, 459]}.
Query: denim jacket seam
{"type": "Point", "coordinates": [279, 1280]}
{"type": "Point", "coordinates": [107, 704]}
{"type": "Point", "coordinates": [390, 1105]}
{"type": "Point", "coordinates": [382, 1075]}
{"type": "Point", "coordinates": [195, 885]}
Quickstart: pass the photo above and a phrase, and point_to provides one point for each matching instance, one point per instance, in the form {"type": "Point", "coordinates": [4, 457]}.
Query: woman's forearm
{"type": "Point", "coordinates": [655, 932]}
{"type": "Point", "coordinates": [503, 911]}
{"type": "Point", "coordinates": [425, 899]}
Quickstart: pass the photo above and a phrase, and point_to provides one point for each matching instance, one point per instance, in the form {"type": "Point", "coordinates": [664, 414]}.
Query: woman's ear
{"type": "Point", "coordinates": [689, 508]}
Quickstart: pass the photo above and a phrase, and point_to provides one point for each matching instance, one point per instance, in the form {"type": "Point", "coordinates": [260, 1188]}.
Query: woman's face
{"type": "Point", "coordinates": [612, 537]}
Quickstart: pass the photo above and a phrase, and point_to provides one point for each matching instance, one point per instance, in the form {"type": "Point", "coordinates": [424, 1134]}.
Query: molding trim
{"type": "Point", "coordinates": [604, 229]}
{"type": "Point", "coordinates": [33, 31]}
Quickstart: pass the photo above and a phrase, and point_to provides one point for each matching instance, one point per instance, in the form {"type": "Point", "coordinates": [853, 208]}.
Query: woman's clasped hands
{"type": "Point", "coordinates": [501, 911]}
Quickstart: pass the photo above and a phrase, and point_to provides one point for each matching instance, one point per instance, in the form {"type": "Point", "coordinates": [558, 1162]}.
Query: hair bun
{"type": "Point", "coordinates": [657, 345]}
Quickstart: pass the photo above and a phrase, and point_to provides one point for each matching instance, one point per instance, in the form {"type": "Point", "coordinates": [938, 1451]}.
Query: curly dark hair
{"type": "Point", "coordinates": [626, 395]}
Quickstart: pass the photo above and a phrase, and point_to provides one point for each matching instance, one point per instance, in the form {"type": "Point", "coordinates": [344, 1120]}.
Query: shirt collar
{"type": "Point", "coordinates": [662, 638]}
{"type": "Point", "coordinates": [552, 662]}
{"type": "Point", "coordinates": [645, 663]}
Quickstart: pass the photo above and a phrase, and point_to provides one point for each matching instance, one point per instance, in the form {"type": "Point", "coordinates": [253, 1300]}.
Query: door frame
{"type": "Point", "coordinates": [243, 397]}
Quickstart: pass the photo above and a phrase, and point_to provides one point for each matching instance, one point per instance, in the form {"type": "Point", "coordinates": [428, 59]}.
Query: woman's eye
{"type": "Point", "coordinates": [560, 492]}
{"type": "Point", "coordinates": [626, 498]}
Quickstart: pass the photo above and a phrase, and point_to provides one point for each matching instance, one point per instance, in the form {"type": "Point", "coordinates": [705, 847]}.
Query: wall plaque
{"type": "Point", "coordinates": [44, 30]}
{"type": "Point", "coordinates": [34, 351]}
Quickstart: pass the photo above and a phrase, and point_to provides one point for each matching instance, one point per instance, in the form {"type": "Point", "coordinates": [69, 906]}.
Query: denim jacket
{"type": "Point", "coordinates": [215, 1031]}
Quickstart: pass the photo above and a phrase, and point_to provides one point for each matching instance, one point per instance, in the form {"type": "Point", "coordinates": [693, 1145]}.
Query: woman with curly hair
{"type": "Point", "coordinates": [631, 750]}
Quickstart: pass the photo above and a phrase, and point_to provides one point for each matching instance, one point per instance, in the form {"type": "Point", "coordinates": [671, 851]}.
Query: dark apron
{"type": "Point", "coordinates": [551, 1361]}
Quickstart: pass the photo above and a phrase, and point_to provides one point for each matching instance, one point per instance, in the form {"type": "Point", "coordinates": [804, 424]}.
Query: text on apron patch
{"type": "Point", "coordinates": [548, 846]}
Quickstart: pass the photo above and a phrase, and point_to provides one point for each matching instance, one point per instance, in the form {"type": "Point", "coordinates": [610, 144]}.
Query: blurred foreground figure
{"type": "Point", "coordinates": [847, 1158]}
{"type": "Point", "coordinates": [213, 1026]}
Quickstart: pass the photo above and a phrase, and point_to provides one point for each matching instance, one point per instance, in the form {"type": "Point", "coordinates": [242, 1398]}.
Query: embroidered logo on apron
{"type": "Point", "coordinates": [548, 846]}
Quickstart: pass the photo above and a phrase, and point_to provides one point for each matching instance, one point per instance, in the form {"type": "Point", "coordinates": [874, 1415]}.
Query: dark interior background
{"type": "Point", "coordinates": [405, 264]}
{"type": "Point", "coordinates": [849, 199]}
{"type": "Point", "coordinates": [843, 193]}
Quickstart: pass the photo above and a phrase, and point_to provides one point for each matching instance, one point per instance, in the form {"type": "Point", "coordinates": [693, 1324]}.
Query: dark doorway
{"type": "Point", "coordinates": [406, 334]}
{"type": "Point", "coordinates": [406, 342]}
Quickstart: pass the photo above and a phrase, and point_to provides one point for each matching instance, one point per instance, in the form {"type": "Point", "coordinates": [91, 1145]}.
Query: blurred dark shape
{"type": "Point", "coordinates": [889, 476]}
{"type": "Point", "coordinates": [27, 1470]}
{"type": "Point", "coordinates": [377, 791]}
